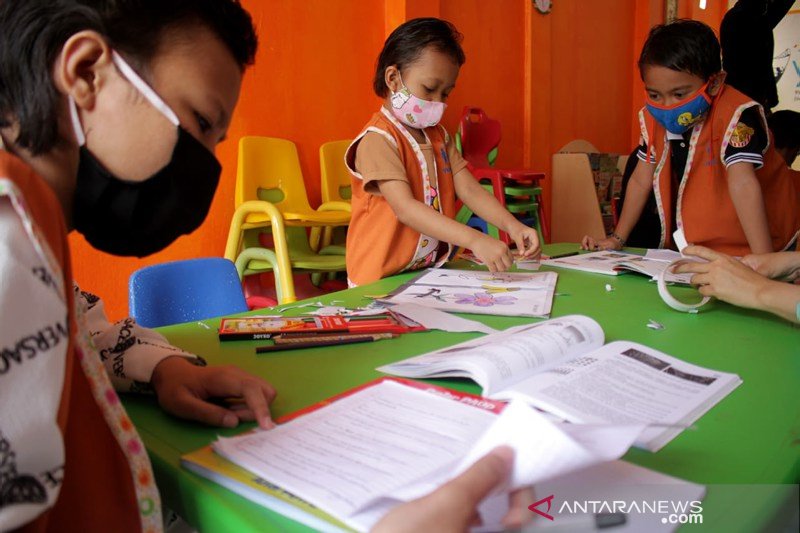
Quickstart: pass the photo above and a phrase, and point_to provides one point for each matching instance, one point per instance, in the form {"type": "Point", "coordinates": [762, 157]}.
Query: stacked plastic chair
{"type": "Point", "coordinates": [269, 229]}
{"type": "Point", "coordinates": [478, 140]}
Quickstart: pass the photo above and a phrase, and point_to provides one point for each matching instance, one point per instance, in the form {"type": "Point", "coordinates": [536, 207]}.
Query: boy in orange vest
{"type": "Point", "coordinates": [707, 153]}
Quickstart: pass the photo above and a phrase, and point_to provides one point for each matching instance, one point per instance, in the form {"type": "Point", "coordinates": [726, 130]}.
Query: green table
{"type": "Point", "coordinates": [748, 441]}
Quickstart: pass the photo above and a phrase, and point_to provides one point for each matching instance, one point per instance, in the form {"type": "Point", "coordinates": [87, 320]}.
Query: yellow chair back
{"type": "Point", "coordinates": [335, 178]}
{"type": "Point", "coordinates": [269, 169]}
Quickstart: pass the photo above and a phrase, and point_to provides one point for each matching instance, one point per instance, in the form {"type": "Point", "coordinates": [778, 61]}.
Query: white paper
{"type": "Point", "coordinates": [434, 319]}
{"type": "Point", "coordinates": [501, 359]}
{"type": "Point", "coordinates": [680, 239]}
{"type": "Point", "coordinates": [361, 455]}
{"type": "Point", "coordinates": [662, 254]}
{"type": "Point", "coordinates": [613, 263]}
{"type": "Point", "coordinates": [626, 383]}
{"type": "Point", "coordinates": [467, 291]}
{"type": "Point", "coordinates": [544, 450]}
{"type": "Point", "coordinates": [371, 443]}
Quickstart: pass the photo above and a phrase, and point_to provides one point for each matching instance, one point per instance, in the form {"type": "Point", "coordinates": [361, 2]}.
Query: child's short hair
{"type": "Point", "coordinates": [407, 42]}
{"type": "Point", "coordinates": [683, 45]}
{"type": "Point", "coordinates": [785, 127]}
{"type": "Point", "coordinates": [32, 33]}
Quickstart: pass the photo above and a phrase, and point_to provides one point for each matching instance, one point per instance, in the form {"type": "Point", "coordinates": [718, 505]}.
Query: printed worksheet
{"type": "Point", "coordinates": [468, 291]}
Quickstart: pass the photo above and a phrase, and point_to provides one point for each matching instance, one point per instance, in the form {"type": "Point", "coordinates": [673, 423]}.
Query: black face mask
{"type": "Point", "coordinates": [139, 218]}
{"type": "Point", "coordinates": [143, 217]}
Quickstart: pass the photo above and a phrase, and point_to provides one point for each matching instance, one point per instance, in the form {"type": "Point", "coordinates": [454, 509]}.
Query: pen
{"type": "Point", "coordinates": [312, 344]}
{"type": "Point", "coordinates": [305, 339]}
{"type": "Point", "coordinates": [559, 256]}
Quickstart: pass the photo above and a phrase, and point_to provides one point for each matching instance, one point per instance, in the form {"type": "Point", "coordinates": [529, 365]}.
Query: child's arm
{"type": "Point", "coordinates": [423, 219]}
{"type": "Point", "coordinates": [639, 188]}
{"type": "Point", "coordinates": [486, 206]}
{"type": "Point", "coordinates": [748, 200]}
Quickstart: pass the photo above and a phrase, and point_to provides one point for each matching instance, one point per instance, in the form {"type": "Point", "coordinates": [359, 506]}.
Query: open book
{"type": "Point", "coordinates": [561, 366]}
{"type": "Point", "coordinates": [613, 263]}
{"type": "Point", "coordinates": [352, 459]}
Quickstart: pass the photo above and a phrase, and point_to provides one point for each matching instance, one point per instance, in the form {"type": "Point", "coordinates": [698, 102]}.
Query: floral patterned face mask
{"type": "Point", "coordinates": [415, 112]}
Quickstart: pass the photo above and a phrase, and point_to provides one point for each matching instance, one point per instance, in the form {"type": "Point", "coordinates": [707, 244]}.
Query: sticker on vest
{"type": "Point", "coordinates": [741, 135]}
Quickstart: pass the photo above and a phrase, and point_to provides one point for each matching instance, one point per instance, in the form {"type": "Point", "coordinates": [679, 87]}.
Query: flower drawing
{"type": "Point", "coordinates": [484, 299]}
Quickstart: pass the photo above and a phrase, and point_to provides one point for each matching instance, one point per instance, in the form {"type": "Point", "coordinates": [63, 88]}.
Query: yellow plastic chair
{"type": "Point", "coordinates": [335, 186]}
{"type": "Point", "coordinates": [271, 196]}
{"type": "Point", "coordinates": [335, 189]}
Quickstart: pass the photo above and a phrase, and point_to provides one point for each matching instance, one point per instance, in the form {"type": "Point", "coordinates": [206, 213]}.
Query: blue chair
{"type": "Point", "coordinates": [185, 291]}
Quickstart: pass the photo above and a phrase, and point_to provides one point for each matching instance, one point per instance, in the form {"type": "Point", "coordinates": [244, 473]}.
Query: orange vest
{"type": "Point", "coordinates": [378, 244]}
{"type": "Point", "coordinates": [705, 210]}
{"type": "Point", "coordinates": [97, 493]}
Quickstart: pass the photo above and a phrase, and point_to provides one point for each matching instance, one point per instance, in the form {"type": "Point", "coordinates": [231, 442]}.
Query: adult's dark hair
{"type": "Point", "coordinates": [683, 45]}
{"type": "Point", "coordinates": [407, 41]}
{"type": "Point", "coordinates": [32, 33]}
{"type": "Point", "coordinates": [785, 127]}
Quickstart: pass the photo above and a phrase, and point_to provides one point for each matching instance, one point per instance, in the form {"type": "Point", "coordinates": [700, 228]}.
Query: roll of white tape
{"type": "Point", "coordinates": [671, 300]}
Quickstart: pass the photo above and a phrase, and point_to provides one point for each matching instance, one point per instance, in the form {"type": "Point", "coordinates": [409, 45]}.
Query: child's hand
{"type": "Point", "coordinates": [494, 254]}
{"type": "Point", "coordinates": [609, 243]}
{"type": "Point", "coordinates": [186, 390]}
{"type": "Point", "coordinates": [780, 265]}
{"type": "Point", "coordinates": [527, 240]}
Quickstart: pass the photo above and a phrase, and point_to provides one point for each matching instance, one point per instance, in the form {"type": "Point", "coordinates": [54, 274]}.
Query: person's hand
{"type": "Point", "coordinates": [527, 240]}
{"type": "Point", "coordinates": [781, 265]}
{"type": "Point", "coordinates": [723, 277]}
{"type": "Point", "coordinates": [609, 243]}
{"type": "Point", "coordinates": [184, 390]}
{"type": "Point", "coordinates": [453, 506]}
{"type": "Point", "coordinates": [492, 252]}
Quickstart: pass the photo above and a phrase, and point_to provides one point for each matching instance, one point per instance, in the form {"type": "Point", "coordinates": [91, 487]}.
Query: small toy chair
{"type": "Point", "coordinates": [185, 291]}
{"type": "Point", "coordinates": [271, 196]}
{"type": "Point", "coordinates": [477, 139]}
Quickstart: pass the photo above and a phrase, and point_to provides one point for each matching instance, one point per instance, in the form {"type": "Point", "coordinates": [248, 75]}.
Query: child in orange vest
{"type": "Point", "coordinates": [407, 172]}
{"type": "Point", "coordinates": [707, 153]}
{"type": "Point", "coordinates": [87, 143]}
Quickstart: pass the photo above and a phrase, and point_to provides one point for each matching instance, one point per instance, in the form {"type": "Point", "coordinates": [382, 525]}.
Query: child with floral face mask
{"type": "Point", "coordinates": [407, 172]}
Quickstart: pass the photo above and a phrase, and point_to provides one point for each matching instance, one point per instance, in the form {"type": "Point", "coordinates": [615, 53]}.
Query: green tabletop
{"type": "Point", "coordinates": [751, 438]}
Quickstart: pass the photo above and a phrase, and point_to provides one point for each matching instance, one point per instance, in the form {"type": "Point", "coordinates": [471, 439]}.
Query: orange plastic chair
{"type": "Point", "coordinates": [271, 195]}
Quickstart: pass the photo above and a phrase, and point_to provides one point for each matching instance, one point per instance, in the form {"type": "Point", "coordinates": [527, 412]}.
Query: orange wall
{"type": "Point", "coordinates": [547, 78]}
{"type": "Point", "coordinates": [493, 76]}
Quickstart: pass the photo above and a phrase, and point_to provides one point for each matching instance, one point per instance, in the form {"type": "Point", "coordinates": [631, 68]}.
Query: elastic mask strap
{"type": "Point", "coordinates": [134, 80]}
{"type": "Point", "coordinates": [403, 83]}
{"type": "Point", "coordinates": [76, 122]}
{"type": "Point", "coordinates": [143, 88]}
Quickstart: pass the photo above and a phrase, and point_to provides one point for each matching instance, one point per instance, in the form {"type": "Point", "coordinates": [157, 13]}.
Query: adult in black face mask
{"type": "Point", "coordinates": [88, 143]}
